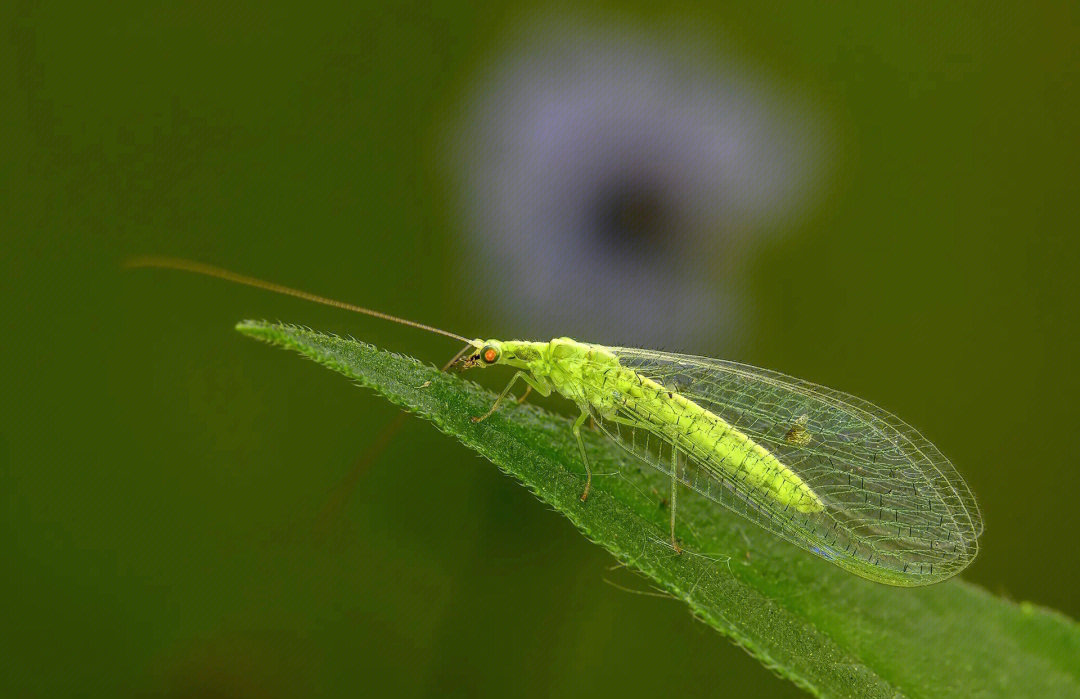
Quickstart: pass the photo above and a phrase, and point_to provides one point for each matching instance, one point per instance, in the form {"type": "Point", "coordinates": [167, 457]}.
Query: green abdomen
{"type": "Point", "coordinates": [705, 437]}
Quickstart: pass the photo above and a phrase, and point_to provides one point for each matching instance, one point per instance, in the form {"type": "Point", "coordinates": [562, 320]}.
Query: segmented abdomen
{"type": "Point", "coordinates": [699, 434]}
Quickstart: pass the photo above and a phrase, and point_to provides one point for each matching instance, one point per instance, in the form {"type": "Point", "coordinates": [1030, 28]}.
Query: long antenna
{"type": "Point", "coordinates": [212, 271]}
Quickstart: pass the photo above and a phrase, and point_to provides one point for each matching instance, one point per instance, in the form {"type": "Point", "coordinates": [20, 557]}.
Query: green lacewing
{"type": "Point", "coordinates": [825, 470]}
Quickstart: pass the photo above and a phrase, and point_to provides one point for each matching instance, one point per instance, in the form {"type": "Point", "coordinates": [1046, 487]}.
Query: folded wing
{"type": "Point", "coordinates": [895, 509]}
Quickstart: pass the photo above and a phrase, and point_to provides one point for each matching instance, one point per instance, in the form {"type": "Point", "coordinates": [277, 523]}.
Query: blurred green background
{"type": "Point", "coordinates": [163, 478]}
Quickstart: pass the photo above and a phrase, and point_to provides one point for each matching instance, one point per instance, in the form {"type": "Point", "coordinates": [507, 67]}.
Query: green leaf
{"type": "Point", "coordinates": [826, 630]}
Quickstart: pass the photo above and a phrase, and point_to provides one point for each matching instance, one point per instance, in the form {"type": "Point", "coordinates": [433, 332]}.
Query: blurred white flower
{"type": "Point", "coordinates": [613, 185]}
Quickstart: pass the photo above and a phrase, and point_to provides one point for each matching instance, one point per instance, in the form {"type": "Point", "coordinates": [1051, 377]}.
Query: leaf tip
{"type": "Point", "coordinates": [260, 330]}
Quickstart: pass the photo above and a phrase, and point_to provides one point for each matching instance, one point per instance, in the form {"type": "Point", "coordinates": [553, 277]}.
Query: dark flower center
{"type": "Point", "coordinates": [631, 215]}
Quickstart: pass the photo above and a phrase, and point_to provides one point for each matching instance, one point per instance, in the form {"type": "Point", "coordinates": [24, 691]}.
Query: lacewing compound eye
{"type": "Point", "coordinates": [490, 354]}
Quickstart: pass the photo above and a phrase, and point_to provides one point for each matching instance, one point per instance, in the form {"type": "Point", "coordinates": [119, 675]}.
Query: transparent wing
{"type": "Point", "coordinates": [895, 509]}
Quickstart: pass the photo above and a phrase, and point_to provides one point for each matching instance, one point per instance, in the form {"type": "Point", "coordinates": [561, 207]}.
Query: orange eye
{"type": "Point", "coordinates": [490, 355]}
